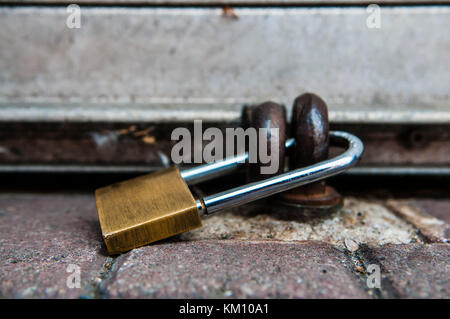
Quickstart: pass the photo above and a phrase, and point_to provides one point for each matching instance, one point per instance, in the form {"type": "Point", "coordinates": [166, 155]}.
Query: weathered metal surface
{"type": "Point", "coordinates": [190, 57]}
{"type": "Point", "coordinates": [225, 2]}
{"type": "Point", "coordinates": [397, 145]}
{"type": "Point", "coordinates": [268, 115]}
{"type": "Point", "coordinates": [85, 144]}
{"type": "Point", "coordinates": [400, 171]}
{"type": "Point", "coordinates": [310, 128]}
{"type": "Point", "coordinates": [107, 147]}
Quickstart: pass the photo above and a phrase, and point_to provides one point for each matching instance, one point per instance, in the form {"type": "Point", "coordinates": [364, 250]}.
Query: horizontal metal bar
{"type": "Point", "coordinates": [135, 169]}
{"type": "Point", "coordinates": [217, 111]}
{"type": "Point", "coordinates": [78, 169]}
{"type": "Point", "coordinates": [400, 171]}
{"type": "Point", "coordinates": [223, 2]}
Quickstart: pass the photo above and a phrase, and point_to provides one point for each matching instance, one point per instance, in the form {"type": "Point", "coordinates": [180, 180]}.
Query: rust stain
{"type": "Point", "coordinates": [131, 129]}
{"type": "Point", "coordinates": [360, 269]}
{"type": "Point", "coordinates": [143, 132]}
{"type": "Point", "coordinates": [229, 12]}
{"type": "Point", "coordinates": [148, 139]}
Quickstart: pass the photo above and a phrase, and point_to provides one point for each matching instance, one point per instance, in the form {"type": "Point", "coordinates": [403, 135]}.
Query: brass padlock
{"type": "Point", "coordinates": [159, 205]}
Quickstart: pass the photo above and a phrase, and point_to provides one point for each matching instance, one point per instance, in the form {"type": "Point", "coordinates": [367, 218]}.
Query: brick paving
{"type": "Point", "coordinates": [236, 254]}
{"type": "Point", "coordinates": [415, 271]}
{"type": "Point", "coordinates": [242, 269]}
{"type": "Point", "coordinates": [40, 236]}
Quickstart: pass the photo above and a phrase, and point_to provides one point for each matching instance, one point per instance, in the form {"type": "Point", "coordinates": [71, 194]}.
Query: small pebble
{"type": "Point", "coordinates": [351, 245]}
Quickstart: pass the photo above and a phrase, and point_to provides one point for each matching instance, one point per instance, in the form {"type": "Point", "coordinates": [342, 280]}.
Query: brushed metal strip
{"type": "Point", "coordinates": [224, 2]}
{"type": "Point", "coordinates": [220, 111]}
{"type": "Point", "coordinates": [124, 169]}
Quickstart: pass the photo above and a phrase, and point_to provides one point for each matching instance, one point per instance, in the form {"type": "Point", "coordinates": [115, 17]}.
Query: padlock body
{"type": "Point", "coordinates": [145, 209]}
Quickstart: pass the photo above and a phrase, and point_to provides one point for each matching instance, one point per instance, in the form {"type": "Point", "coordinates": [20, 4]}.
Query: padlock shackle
{"type": "Point", "coordinates": [283, 182]}
{"type": "Point", "coordinates": [209, 171]}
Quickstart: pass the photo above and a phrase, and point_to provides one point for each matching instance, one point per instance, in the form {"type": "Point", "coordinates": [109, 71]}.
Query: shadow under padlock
{"type": "Point", "coordinates": [159, 205]}
{"type": "Point", "coordinates": [310, 129]}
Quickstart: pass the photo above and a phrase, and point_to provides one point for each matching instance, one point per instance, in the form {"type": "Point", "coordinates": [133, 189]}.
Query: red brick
{"type": "Point", "coordinates": [431, 228]}
{"type": "Point", "coordinates": [439, 208]}
{"type": "Point", "coordinates": [40, 235]}
{"type": "Point", "coordinates": [229, 268]}
{"type": "Point", "coordinates": [414, 271]}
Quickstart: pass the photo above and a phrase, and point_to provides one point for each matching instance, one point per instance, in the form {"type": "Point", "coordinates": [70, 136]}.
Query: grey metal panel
{"type": "Point", "coordinates": [181, 59]}
{"type": "Point", "coordinates": [226, 2]}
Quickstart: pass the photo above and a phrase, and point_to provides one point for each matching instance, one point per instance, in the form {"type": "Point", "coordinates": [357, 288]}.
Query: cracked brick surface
{"type": "Point", "coordinates": [239, 253]}
{"type": "Point", "coordinates": [416, 213]}
{"type": "Point", "coordinates": [242, 269]}
{"type": "Point", "coordinates": [40, 236]}
{"type": "Point", "coordinates": [439, 208]}
{"type": "Point", "coordinates": [413, 271]}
